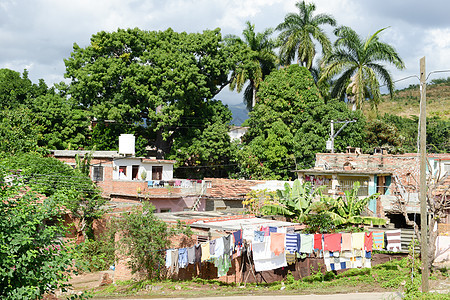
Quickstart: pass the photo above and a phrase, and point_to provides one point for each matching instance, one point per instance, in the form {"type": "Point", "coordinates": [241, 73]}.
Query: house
{"type": "Point", "coordinates": [127, 180]}
{"type": "Point", "coordinates": [394, 177]}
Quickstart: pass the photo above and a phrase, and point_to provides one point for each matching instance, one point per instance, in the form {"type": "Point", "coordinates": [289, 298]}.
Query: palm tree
{"type": "Point", "coordinates": [298, 31]}
{"type": "Point", "coordinates": [261, 62]}
{"type": "Point", "coordinates": [358, 63]}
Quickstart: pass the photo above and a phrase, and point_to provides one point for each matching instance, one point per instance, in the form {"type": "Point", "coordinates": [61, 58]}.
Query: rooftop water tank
{"type": "Point", "coordinates": [126, 144]}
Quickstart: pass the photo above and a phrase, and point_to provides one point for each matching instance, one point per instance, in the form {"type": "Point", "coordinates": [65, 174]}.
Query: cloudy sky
{"type": "Point", "coordinates": [38, 34]}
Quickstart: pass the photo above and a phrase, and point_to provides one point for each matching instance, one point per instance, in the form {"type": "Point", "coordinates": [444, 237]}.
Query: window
{"type": "Point", "coordinates": [122, 172]}
{"type": "Point", "coordinates": [97, 173]}
{"type": "Point", "coordinates": [156, 173]}
{"type": "Point", "coordinates": [135, 172]}
{"type": "Point", "coordinates": [346, 184]}
{"type": "Point", "coordinates": [165, 210]}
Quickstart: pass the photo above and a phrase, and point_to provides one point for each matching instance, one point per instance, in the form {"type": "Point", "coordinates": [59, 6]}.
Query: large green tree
{"type": "Point", "coordinates": [358, 64]}
{"type": "Point", "coordinates": [260, 63]}
{"type": "Point", "coordinates": [298, 31]}
{"type": "Point", "coordinates": [205, 149]}
{"type": "Point", "coordinates": [162, 77]}
{"type": "Point", "coordinates": [290, 124]}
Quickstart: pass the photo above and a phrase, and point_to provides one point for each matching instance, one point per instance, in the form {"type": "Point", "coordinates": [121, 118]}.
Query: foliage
{"type": "Point", "coordinates": [349, 209]}
{"type": "Point", "coordinates": [256, 199]}
{"type": "Point", "coordinates": [205, 150]}
{"type": "Point", "coordinates": [96, 255]}
{"type": "Point", "coordinates": [162, 77]}
{"type": "Point", "coordinates": [16, 91]}
{"type": "Point", "coordinates": [33, 259]}
{"type": "Point", "coordinates": [297, 32]}
{"type": "Point", "coordinates": [290, 124]}
{"type": "Point", "coordinates": [399, 134]}
{"type": "Point", "coordinates": [19, 131]}
{"type": "Point", "coordinates": [357, 63]}
{"type": "Point", "coordinates": [53, 178]}
{"type": "Point", "coordinates": [293, 202]}
{"type": "Point", "coordinates": [65, 124]}
{"type": "Point", "coordinates": [319, 223]}
{"type": "Point", "coordinates": [260, 63]}
{"type": "Point", "coordinates": [144, 239]}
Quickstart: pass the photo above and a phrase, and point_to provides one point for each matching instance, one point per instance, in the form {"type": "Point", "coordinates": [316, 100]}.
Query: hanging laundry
{"type": "Point", "coordinates": [191, 255]}
{"type": "Point", "coordinates": [393, 240]}
{"type": "Point", "coordinates": [346, 241]}
{"type": "Point", "coordinates": [368, 241]}
{"type": "Point", "coordinates": [219, 247]}
{"type": "Point", "coordinates": [266, 260]}
{"type": "Point", "coordinates": [262, 250]}
{"type": "Point", "coordinates": [223, 264]}
{"type": "Point", "coordinates": [212, 247]}
{"type": "Point", "coordinates": [358, 240]}
{"type": "Point", "coordinates": [281, 230]}
{"type": "Point", "coordinates": [168, 258]}
{"type": "Point", "coordinates": [174, 261]}
{"type": "Point", "coordinates": [182, 258]}
{"type": "Point", "coordinates": [272, 229]}
{"type": "Point", "coordinates": [378, 240]}
{"type": "Point", "coordinates": [277, 241]}
{"type": "Point", "coordinates": [259, 236]}
{"type": "Point", "coordinates": [306, 243]}
{"type": "Point", "coordinates": [317, 242]}
{"type": "Point", "coordinates": [290, 258]}
{"type": "Point", "coordinates": [332, 242]}
{"type": "Point", "coordinates": [205, 251]}
{"type": "Point", "coordinates": [248, 234]}
{"type": "Point", "coordinates": [227, 244]}
{"type": "Point", "coordinates": [265, 230]}
{"type": "Point", "coordinates": [292, 242]}
{"type": "Point", "coordinates": [237, 235]}
{"type": "Point", "coordinates": [198, 253]}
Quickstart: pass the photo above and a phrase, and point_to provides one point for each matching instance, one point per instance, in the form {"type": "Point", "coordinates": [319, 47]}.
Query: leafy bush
{"type": "Point", "coordinates": [33, 258]}
{"type": "Point", "coordinates": [144, 239]}
{"type": "Point", "coordinates": [95, 255]}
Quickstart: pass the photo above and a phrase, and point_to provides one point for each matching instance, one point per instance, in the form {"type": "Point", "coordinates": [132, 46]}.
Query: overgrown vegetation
{"type": "Point", "coordinates": [33, 258]}
{"type": "Point", "coordinates": [305, 204]}
{"type": "Point", "coordinates": [144, 238]}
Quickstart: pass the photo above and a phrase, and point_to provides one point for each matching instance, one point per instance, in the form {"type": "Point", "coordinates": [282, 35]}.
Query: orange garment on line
{"type": "Point", "coordinates": [346, 241]}
{"type": "Point", "coordinates": [277, 240]}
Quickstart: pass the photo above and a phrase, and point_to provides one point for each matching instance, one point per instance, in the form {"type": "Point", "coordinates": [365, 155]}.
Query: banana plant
{"type": "Point", "coordinates": [348, 209]}
{"type": "Point", "coordinates": [295, 202]}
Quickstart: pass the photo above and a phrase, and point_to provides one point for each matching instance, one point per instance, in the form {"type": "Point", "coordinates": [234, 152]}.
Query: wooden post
{"type": "Point", "coordinates": [423, 183]}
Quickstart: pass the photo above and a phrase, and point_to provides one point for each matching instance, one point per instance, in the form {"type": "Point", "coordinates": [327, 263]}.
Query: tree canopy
{"type": "Point", "coordinates": [357, 63]}
{"type": "Point", "coordinates": [291, 123]}
{"type": "Point", "coordinates": [298, 31]}
{"type": "Point", "coordinates": [258, 66]}
{"type": "Point", "coordinates": [162, 77]}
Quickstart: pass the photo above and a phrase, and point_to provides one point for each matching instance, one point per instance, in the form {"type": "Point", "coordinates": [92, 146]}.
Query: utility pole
{"type": "Point", "coordinates": [423, 178]}
{"type": "Point", "coordinates": [330, 142]}
{"type": "Point", "coordinates": [332, 136]}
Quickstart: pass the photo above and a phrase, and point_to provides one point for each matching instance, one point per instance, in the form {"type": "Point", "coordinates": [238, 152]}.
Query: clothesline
{"type": "Point", "coordinates": [274, 247]}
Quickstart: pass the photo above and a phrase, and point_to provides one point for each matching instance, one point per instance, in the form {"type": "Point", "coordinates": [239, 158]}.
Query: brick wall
{"type": "Point", "coordinates": [405, 166]}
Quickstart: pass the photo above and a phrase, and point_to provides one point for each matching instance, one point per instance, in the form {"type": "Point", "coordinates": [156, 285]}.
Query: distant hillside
{"type": "Point", "coordinates": [240, 114]}
{"type": "Point", "coordinates": [406, 101]}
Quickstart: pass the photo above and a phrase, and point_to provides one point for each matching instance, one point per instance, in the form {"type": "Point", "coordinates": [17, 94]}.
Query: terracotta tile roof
{"type": "Point", "coordinates": [222, 188]}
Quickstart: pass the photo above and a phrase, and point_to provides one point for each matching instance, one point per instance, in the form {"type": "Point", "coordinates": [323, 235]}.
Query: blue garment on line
{"type": "Point", "coordinates": [182, 257]}
{"type": "Point", "coordinates": [292, 242]}
{"type": "Point", "coordinates": [259, 236]}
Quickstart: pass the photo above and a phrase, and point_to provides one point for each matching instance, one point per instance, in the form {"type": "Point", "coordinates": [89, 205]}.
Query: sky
{"type": "Point", "coordinates": [38, 35]}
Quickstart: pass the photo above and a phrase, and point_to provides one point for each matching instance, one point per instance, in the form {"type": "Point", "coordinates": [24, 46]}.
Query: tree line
{"type": "Point", "coordinates": [162, 86]}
